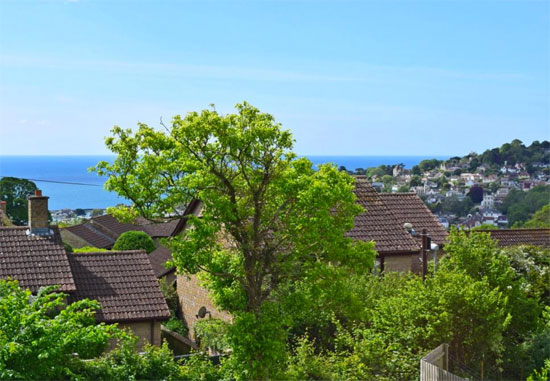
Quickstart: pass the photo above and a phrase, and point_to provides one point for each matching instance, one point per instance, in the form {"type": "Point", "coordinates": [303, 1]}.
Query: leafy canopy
{"type": "Point", "coordinates": [268, 219]}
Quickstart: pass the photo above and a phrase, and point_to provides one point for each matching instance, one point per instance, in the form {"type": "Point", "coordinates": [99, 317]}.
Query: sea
{"type": "Point", "coordinates": [70, 185]}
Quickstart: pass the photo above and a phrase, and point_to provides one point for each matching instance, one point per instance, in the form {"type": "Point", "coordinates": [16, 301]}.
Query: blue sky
{"type": "Point", "coordinates": [348, 78]}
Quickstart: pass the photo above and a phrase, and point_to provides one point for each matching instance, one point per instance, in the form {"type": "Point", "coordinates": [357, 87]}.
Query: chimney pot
{"type": "Point", "coordinates": [38, 193]}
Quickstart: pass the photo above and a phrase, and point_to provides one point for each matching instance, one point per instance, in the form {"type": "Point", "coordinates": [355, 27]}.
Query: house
{"type": "Point", "coordinates": [125, 286]}
{"type": "Point", "coordinates": [517, 237]}
{"type": "Point", "coordinates": [103, 231]}
{"type": "Point", "coordinates": [123, 282]}
{"type": "Point", "coordinates": [382, 222]}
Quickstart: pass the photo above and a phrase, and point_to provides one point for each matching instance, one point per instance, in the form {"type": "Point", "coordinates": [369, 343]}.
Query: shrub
{"type": "Point", "coordinates": [135, 240]}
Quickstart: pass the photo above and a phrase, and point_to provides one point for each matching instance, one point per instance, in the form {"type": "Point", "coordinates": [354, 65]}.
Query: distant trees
{"type": "Point", "coordinates": [15, 192]}
{"type": "Point", "coordinates": [519, 206]}
{"type": "Point", "coordinates": [541, 218]}
{"type": "Point", "coordinates": [135, 240]}
{"type": "Point", "coordinates": [476, 194]}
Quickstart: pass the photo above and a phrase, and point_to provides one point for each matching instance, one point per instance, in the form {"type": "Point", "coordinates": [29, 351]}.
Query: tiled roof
{"type": "Point", "coordinates": [111, 224]}
{"type": "Point", "coordinates": [409, 208]}
{"type": "Point", "coordinates": [35, 261]}
{"type": "Point", "coordinates": [378, 223]}
{"type": "Point", "coordinates": [102, 231]}
{"type": "Point", "coordinates": [158, 258]}
{"type": "Point", "coordinates": [91, 235]}
{"type": "Point", "coordinates": [122, 282]}
{"type": "Point", "coordinates": [161, 229]}
{"type": "Point", "coordinates": [515, 237]}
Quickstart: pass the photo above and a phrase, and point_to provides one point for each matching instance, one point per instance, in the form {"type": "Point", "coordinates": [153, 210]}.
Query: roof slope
{"type": "Point", "coordinates": [91, 235]}
{"type": "Point", "coordinates": [378, 223]}
{"type": "Point", "coordinates": [123, 283]}
{"type": "Point", "coordinates": [35, 261]}
{"type": "Point", "coordinates": [409, 208]}
{"type": "Point", "coordinates": [515, 237]}
{"type": "Point", "coordinates": [158, 258]}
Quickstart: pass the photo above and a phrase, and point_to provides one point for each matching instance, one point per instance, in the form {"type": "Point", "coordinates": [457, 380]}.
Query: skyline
{"type": "Point", "coordinates": [347, 78]}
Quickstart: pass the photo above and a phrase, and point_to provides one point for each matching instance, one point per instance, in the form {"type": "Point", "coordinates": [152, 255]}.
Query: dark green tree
{"type": "Point", "coordinates": [15, 192]}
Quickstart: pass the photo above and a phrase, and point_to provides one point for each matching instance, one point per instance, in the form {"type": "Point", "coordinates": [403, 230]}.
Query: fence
{"type": "Point", "coordinates": [433, 366]}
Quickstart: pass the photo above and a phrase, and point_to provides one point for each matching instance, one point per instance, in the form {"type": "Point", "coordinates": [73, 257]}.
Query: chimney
{"type": "Point", "coordinates": [4, 207]}
{"type": "Point", "coordinates": [38, 214]}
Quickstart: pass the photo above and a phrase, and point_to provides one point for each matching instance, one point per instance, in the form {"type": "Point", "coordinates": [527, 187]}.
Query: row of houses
{"type": "Point", "coordinates": [126, 283]}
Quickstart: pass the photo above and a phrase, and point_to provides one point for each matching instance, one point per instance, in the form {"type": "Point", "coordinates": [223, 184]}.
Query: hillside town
{"type": "Point", "coordinates": [466, 192]}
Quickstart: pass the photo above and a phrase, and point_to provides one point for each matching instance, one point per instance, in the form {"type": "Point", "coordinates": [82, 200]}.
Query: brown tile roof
{"type": "Point", "coordinates": [112, 225]}
{"type": "Point", "coordinates": [409, 208]}
{"type": "Point", "coordinates": [515, 237]}
{"type": "Point", "coordinates": [158, 258]}
{"type": "Point", "coordinates": [378, 223]}
{"type": "Point", "coordinates": [122, 282]}
{"type": "Point", "coordinates": [103, 231]}
{"type": "Point", "coordinates": [91, 235]}
{"type": "Point", "coordinates": [161, 229]}
{"type": "Point", "coordinates": [35, 261]}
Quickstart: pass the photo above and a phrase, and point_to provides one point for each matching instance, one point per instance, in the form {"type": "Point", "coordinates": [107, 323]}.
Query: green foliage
{"type": "Point", "coordinates": [126, 363]}
{"type": "Point", "coordinates": [90, 249]}
{"type": "Point", "coordinates": [15, 192]}
{"type": "Point", "coordinates": [541, 375]}
{"type": "Point", "coordinates": [39, 335]}
{"type": "Point", "coordinates": [519, 206]}
{"type": "Point", "coordinates": [212, 333]}
{"type": "Point", "coordinates": [479, 301]}
{"type": "Point", "coordinates": [200, 367]}
{"type": "Point", "coordinates": [484, 226]}
{"type": "Point", "coordinates": [135, 240]}
{"type": "Point", "coordinates": [176, 325]}
{"type": "Point", "coordinates": [541, 218]}
{"type": "Point", "coordinates": [454, 206]}
{"type": "Point", "coordinates": [170, 294]}
{"type": "Point", "coordinates": [68, 248]}
{"type": "Point", "coordinates": [97, 212]}
{"type": "Point", "coordinates": [280, 221]}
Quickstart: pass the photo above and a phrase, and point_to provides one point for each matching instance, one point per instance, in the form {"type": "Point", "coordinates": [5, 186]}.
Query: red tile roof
{"type": "Point", "coordinates": [409, 208]}
{"type": "Point", "coordinates": [35, 261]}
{"type": "Point", "coordinates": [378, 223]}
{"type": "Point", "coordinates": [516, 237]}
{"type": "Point", "coordinates": [122, 282]}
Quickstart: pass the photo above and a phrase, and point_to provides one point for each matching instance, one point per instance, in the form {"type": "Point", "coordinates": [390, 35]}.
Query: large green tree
{"type": "Point", "coordinates": [15, 192]}
{"type": "Point", "coordinates": [269, 219]}
{"type": "Point", "coordinates": [40, 335]}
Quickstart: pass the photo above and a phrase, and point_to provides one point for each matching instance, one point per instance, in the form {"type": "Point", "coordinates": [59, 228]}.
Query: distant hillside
{"type": "Point", "coordinates": [507, 154]}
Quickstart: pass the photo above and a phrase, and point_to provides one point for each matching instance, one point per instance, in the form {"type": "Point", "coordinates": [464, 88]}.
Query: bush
{"type": "Point", "coordinates": [135, 240]}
